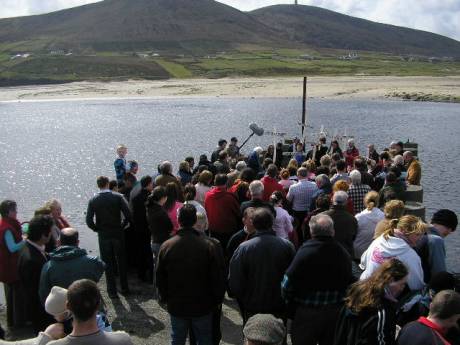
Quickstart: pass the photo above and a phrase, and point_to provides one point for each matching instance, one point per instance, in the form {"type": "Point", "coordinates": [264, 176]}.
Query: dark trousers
{"type": "Point", "coordinates": [216, 330]}
{"type": "Point", "coordinates": [15, 304]}
{"type": "Point", "coordinates": [144, 255]}
{"type": "Point", "coordinates": [314, 325]}
{"type": "Point", "coordinates": [223, 239]}
{"type": "Point", "coordinates": [113, 254]}
{"type": "Point", "coordinates": [299, 216]}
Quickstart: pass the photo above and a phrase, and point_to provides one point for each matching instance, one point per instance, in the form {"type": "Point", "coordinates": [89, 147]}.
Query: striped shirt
{"type": "Point", "coordinates": [301, 194]}
{"type": "Point", "coordinates": [356, 193]}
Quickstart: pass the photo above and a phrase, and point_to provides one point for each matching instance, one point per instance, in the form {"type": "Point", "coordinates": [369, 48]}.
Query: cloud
{"type": "Point", "coordinates": [429, 15]}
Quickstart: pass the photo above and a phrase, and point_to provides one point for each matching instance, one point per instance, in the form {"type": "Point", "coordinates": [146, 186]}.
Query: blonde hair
{"type": "Point", "coordinates": [52, 204]}
{"type": "Point", "coordinates": [293, 163]}
{"type": "Point", "coordinates": [371, 200]}
{"type": "Point", "coordinates": [325, 161]}
{"type": "Point", "coordinates": [121, 147]}
{"type": "Point", "coordinates": [408, 225]}
{"type": "Point", "coordinates": [341, 185]}
{"type": "Point", "coordinates": [393, 209]}
{"type": "Point", "coordinates": [184, 165]}
{"type": "Point", "coordinates": [310, 165]}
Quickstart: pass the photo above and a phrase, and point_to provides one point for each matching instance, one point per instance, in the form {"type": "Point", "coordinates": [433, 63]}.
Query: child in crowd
{"type": "Point", "coordinates": [120, 163]}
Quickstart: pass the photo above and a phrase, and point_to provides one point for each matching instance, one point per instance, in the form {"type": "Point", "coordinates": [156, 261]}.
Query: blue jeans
{"type": "Point", "coordinates": [202, 329]}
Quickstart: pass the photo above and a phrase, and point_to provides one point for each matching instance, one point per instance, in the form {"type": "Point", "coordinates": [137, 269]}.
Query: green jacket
{"type": "Point", "coordinates": [66, 265]}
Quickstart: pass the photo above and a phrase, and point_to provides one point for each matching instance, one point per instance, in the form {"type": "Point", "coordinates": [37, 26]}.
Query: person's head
{"type": "Point", "coordinates": [277, 198]}
{"type": "Point", "coordinates": [266, 163]}
{"type": "Point", "coordinates": [270, 149]}
{"type": "Point", "coordinates": [256, 189]}
{"type": "Point", "coordinates": [122, 150]}
{"type": "Point", "coordinates": [56, 304]}
{"type": "Point", "coordinates": [133, 167]}
{"type": "Point", "coordinates": [293, 163]}
{"type": "Point", "coordinates": [310, 165]}
{"type": "Point", "coordinates": [55, 206]}
{"type": "Point", "coordinates": [40, 229]}
{"type": "Point", "coordinates": [322, 180]}
{"type": "Point", "coordinates": [8, 209]}
{"type": "Point", "coordinates": [360, 164]}
{"type": "Point", "coordinates": [393, 209]}
{"type": "Point", "coordinates": [391, 178]}
{"type": "Point", "coordinates": [223, 155]}
{"type": "Point", "coordinates": [262, 219]}
{"type": "Point", "coordinates": [398, 160]}
{"type": "Point", "coordinates": [389, 278]}
{"type": "Point", "coordinates": [408, 156]}
{"type": "Point", "coordinates": [222, 143]}
{"type": "Point", "coordinates": [445, 221]}
{"type": "Point", "coordinates": [272, 171]}
{"type": "Point", "coordinates": [325, 161]}
{"type": "Point", "coordinates": [371, 147]}
{"type": "Point", "coordinates": [113, 185]}
{"type": "Point", "coordinates": [189, 192]}
{"type": "Point", "coordinates": [247, 175]}
{"type": "Point", "coordinates": [399, 146]}
{"type": "Point", "coordinates": [248, 214]}
{"type": "Point", "coordinates": [44, 210]}
{"type": "Point", "coordinates": [166, 168]}
{"type": "Point", "coordinates": [205, 178]}
{"type": "Point", "coordinates": [187, 216]}
{"type": "Point", "coordinates": [83, 300]}
{"type": "Point", "coordinates": [264, 329]}
{"type": "Point", "coordinates": [102, 182]}
{"type": "Point", "coordinates": [335, 158]}
{"type": "Point", "coordinates": [184, 166]}
{"type": "Point", "coordinates": [158, 195]}
{"type": "Point", "coordinates": [240, 166]}
{"type": "Point", "coordinates": [171, 193]}
{"type": "Point", "coordinates": [191, 161]}
{"type": "Point", "coordinates": [299, 147]}
{"type": "Point", "coordinates": [323, 202]}
{"type": "Point", "coordinates": [321, 225]}
{"type": "Point", "coordinates": [385, 157]}
{"type": "Point", "coordinates": [69, 237]}
{"type": "Point", "coordinates": [411, 227]}
{"type": "Point", "coordinates": [302, 173]}
{"type": "Point", "coordinates": [355, 177]}
{"type": "Point", "coordinates": [233, 141]}
{"type": "Point", "coordinates": [201, 222]}
{"type": "Point", "coordinates": [341, 166]}
{"type": "Point", "coordinates": [147, 183]}
{"type": "Point", "coordinates": [445, 308]}
{"type": "Point", "coordinates": [129, 179]}
{"type": "Point", "coordinates": [340, 185]}
{"type": "Point", "coordinates": [371, 200]}
{"type": "Point", "coordinates": [335, 144]}
{"type": "Point", "coordinates": [351, 143]}
{"type": "Point", "coordinates": [284, 174]}
{"type": "Point", "coordinates": [221, 180]}
{"type": "Point", "coordinates": [340, 198]}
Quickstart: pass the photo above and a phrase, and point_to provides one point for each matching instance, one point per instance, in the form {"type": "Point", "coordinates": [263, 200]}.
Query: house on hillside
{"type": "Point", "coordinates": [350, 56]}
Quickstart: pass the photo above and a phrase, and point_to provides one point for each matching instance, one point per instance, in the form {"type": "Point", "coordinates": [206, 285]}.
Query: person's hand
{"type": "Point", "coordinates": [55, 331]}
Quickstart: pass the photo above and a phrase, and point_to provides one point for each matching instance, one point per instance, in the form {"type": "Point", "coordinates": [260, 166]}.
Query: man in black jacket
{"type": "Point", "coordinates": [31, 260]}
{"type": "Point", "coordinates": [142, 231]}
{"type": "Point", "coordinates": [257, 268]}
{"type": "Point", "coordinates": [315, 284]}
{"type": "Point", "coordinates": [107, 207]}
{"type": "Point", "coordinates": [190, 279]}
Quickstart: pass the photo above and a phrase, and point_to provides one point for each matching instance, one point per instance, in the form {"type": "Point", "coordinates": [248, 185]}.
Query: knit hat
{"type": "Point", "coordinates": [56, 301]}
{"type": "Point", "coordinates": [265, 328]}
{"type": "Point", "coordinates": [445, 217]}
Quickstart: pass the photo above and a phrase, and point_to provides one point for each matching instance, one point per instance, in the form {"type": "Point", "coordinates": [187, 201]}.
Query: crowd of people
{"type": "Point", "coordinates": [321, 240]}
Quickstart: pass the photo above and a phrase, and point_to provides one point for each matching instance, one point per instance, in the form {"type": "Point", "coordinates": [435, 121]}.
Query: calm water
{"type": "Point", "coordinates": [56, 149]}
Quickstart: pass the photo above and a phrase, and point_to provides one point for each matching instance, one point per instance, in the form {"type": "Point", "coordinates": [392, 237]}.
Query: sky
{"type": "Point", "coordinates": [438, 16]}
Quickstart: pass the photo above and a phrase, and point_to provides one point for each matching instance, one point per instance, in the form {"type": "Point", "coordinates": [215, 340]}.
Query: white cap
{"type": "Point", "coordinates": [56, 301]}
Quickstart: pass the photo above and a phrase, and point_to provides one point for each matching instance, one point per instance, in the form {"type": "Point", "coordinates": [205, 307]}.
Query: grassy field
{"type": "Point", "coordinates": [247, 61]}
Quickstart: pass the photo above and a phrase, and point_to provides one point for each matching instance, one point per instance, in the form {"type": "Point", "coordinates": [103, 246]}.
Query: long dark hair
{"type": "Point", "coordinates": [171, 193]}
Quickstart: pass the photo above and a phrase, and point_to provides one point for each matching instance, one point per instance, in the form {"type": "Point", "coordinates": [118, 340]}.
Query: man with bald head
{"type": "Point", "coordinates": [68, 263]}
{"type": "Point", "coordinates": [414, 170]}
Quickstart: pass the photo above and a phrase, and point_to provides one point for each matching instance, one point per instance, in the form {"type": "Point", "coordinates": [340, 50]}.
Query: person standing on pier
{"type": "Point", "coordinates": [107, 207]}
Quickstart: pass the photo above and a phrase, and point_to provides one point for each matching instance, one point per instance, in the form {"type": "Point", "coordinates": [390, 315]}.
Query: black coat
{"type": "Point", "coordinates": [160, 224]}
{"type": "Point", "coordinates": [139, 211]}
{"type": "Point", "coordinates": [190, 274]}
{"type": "Point", "coordinates": [345, 226]}
{"type": "Point", "coordinates": [30, 264]}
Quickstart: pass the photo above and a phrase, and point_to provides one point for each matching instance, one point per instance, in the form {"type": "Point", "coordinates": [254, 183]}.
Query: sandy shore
{"type": "Point", "coordinates": [318, 87]}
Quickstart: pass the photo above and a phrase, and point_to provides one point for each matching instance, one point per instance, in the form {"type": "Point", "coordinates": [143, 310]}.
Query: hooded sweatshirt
{"type": "Point", "coordinates": [66, 265]}
{"type": "Point", "coordinates": [382, 249]}
{"type": "Point", "coordinates": [367, 221]}
{"type": "Point", "coordinates": [223, 211]}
